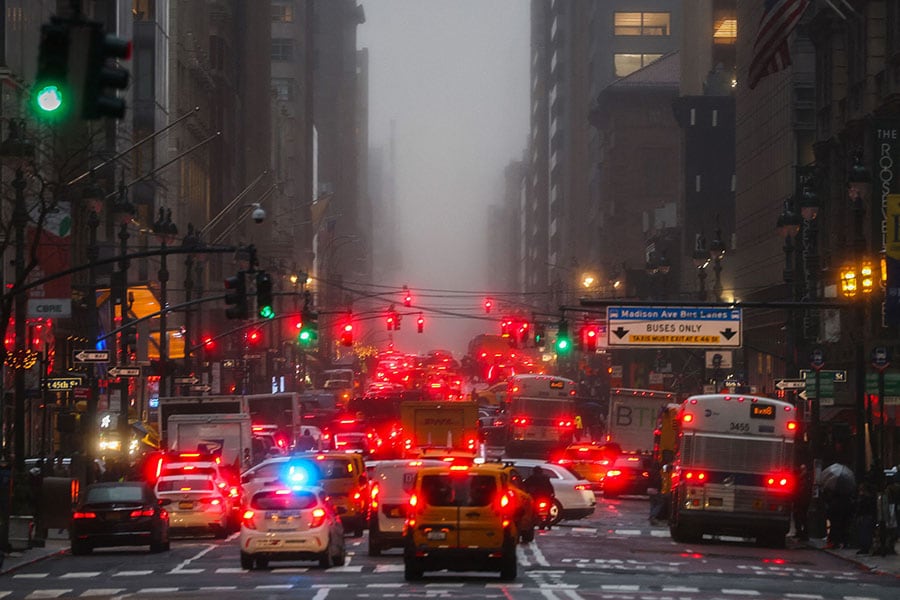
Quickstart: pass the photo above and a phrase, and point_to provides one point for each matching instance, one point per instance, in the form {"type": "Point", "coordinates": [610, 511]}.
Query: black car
{"type": "Point", "coordinates": [119, 514]}
{"type": "Point", "coordinates": [628, 474]}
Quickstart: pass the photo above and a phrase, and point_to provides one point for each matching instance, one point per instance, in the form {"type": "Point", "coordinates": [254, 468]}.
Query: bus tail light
{"type": "Point", "coordinates": [694, 476]}
{"type": "Point", "coordinates": [687, 418]}
{"type": "Point", "coordinates": [520, 421]}
{"type": "Point", "coordinates": [792, 425]}
{"type": "Point", "coordinates": [780, 482]}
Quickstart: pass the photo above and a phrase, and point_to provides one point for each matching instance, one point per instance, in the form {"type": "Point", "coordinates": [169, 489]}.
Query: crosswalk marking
{"type": "Point", "coordinates": [158, 590]}
{"type": "Point", "coordinates": [185, 571]}
{"type": "Point", "coordinates": [275, 586]}
{"type": "Point", "coordinates": [217, 588]}
{"type": "Point", "coordinates": [101, 592]}
{"type": "Point", "coordinates": [739, 592]}
{"type": "Point", "coordinates": [47, 593]}
{"type": "Point", "coordinates": [132, 573]}
{"type": "Point", "coordinates": [82, 575]}
{"type": "Point", "coordinates": [227, 570]}
{"type": "Point", "coordinates": [30, 575]}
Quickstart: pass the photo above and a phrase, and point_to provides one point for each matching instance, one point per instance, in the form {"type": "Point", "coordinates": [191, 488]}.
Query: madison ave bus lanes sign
{"type": "Point", "coordinates": [668, 327]}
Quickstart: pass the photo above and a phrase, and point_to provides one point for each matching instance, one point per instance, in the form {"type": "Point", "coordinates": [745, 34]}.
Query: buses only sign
{"type": "Point", "coordinates": [665, 327]}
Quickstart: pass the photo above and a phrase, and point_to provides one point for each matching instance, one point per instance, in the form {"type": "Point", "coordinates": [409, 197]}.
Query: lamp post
{"type": "Point", "coordinates": [701, 261]}
{"type": "Point", "coordinates": [716, 254]}
{"type": "Point", "coordinates": [123, 211]}
{"type": "Point", "coordinates": [857, 284]}
{"type": "Point", "coordinates": [17, 147]}
{"type": "Point", "coordinates": [92, 197]}
{"type": "Point", "coordinates": [191, 241]}
{"type": "Point", "coordinates": [165, 230]}
{"type": "Point", "coordinates": [787, 226]}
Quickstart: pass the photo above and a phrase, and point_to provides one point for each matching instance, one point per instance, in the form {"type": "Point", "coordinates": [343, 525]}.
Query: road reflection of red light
{"type": "Point", "coordinates": [775, 561]}
{"type": "Point", "coordinates": [691, 555]}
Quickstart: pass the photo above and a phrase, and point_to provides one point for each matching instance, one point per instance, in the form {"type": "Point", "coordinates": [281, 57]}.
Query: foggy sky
{"type": "Point", "coordinates": [453, 75]}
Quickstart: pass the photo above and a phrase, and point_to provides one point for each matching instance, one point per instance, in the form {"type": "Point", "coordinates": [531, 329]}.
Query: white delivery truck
{"type": "Point", "coordinates": [632, 417]}
{"type": "Point", "coordinates": [226, 435]}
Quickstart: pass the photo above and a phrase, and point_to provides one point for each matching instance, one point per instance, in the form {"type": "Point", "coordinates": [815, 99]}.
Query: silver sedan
{"type": "Point", "coordinates": [574, 497]}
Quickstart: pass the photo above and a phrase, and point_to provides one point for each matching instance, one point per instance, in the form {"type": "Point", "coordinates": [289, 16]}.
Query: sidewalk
{"type": "Point", "coordinates": [889, 564]}
{"type": "Point", "coordinates": [55, 544]}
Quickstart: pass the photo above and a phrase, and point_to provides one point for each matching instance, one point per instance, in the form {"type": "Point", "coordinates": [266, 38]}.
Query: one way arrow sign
{"type": "Point", "coordinates": [728, 333]}
{"type": "Point", "coordinates": [91, 356]}
{"type": "Point", "coordinates": [124, 371]}
{"type": "Point", "coordinates": [186, 380]}
{"type": "Point", "coordinates": [620, 332]}
{"type": "Point", "coordinates": [790, 384]}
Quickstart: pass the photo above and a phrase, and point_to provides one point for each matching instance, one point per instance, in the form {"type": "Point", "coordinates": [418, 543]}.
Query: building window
{"type": "Point", "coordinates": [283, 88]}
{"type": "Point", "coordinates": [642, 23]}
{"type": "Point", "coordinates": [282, 49]}
{"type": "Point", "coordinates": [626, 64]}
{"type": "Point", "coordinates": [144, 10]}
{"type": "Point", "coordinates": [893, 29]}
{"type": "Point", "coordinates": [282, 12]}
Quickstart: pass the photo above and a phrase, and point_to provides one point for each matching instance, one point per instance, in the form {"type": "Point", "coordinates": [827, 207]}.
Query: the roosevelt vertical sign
{"type": "Point", "coordinates": [886, 189]}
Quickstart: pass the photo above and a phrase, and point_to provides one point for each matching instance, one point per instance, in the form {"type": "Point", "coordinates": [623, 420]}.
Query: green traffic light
{"type": "Point", "coordinates": [304, 336]}
{"type": "Point", "coordinates": [266, 312]}
{"type": "Point", "coordinates": [562, 344]}
{"type": "Point", "coordinates": [49, 98]}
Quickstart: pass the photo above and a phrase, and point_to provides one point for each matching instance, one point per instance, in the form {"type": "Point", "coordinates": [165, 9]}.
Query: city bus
{"type": "Point", "coordinates": [541, 414]}
{"type": "Point", "coordinates": [733, 468]}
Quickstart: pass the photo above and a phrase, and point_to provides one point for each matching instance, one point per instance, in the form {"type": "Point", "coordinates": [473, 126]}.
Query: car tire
{"type": "Point", "coordinates": [325, 561]}
{"type": "Point", "coordinates": [340, 559]}
{"type": "Point", "coordinates": [220, 533]}
{"type": "Point", "coordinates": [509, 563]}
{"type": "Point", "coordinates": [157, 547]}
{"type": "Point", "coordinates": [412, 571]}
{"type": "Point", "coordinates": [556, 512]}
{"type": "Point", "coordinates": [246, 561]}
{"type": "Point", "coordinates": [528, 534]}
{"type": "Point", "coordinates": [80, 548]}
{"type": "Point", "coordinates": [262, 563]}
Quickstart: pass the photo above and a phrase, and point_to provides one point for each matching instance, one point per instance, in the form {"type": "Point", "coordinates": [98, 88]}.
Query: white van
{"type": "Point", "coordinates": [390, 485]}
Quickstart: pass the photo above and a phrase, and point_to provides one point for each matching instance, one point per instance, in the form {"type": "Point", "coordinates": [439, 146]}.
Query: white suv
{"type": "Point", "coordinates": [390, 485]}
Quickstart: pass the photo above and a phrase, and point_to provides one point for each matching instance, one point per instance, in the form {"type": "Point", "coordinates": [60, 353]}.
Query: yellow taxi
{"type": "Point", "coordinates": [460, 518]}
{"type": "Point", "coordinates": [343, 477]}
{"type": "Point", "coordinates": [589, 461]}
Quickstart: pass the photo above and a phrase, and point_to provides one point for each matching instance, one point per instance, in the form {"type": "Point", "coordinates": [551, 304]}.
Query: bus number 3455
{"type": "Point", "coordinates": [740, 427]}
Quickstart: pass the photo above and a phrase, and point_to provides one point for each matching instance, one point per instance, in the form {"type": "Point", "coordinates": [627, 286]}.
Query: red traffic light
{"type": "Point", "coordinates": [390, 322]}
{"type": "Point", "coordinates": [488, 305]}
{"type": "Point", "coordinates": [208, 343]}
{"type": "Point", "coordinates": [347, 335]}
{"type": "Point", "coordinates": [420, 323]}
{"type": "Point", "coordinates": [254, 337]}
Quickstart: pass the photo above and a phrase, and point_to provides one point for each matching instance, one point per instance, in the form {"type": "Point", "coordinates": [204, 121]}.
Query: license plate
{"type": "Point", "coordinates": [436, 535]}
{"type": "Point", "coordinates": [714, 502]}
{"type": "Point", "coordinates": [284, 515]}
{"type": "Point", "coordinates": [186, 506]}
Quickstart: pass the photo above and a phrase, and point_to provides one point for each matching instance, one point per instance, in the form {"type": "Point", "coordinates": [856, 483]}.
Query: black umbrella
{"type": "Point", "coordinates": [838, 478]}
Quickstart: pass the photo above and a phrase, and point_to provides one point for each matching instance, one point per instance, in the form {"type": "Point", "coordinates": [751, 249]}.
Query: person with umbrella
{"type": "Point", "coordinates": [838, 486]}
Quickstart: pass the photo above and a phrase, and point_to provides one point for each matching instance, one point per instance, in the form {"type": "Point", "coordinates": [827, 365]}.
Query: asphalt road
{"type": "Point", "coordinates": [615, 554]}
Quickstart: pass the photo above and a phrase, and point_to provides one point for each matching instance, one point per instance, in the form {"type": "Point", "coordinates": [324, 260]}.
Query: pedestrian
{"type": "Point", "coordinates": [865, 516]}
{"type": "Point", "coordinates": [306, 441]}
{"type": "Point", "coordinates": [838, 493]}
{"type": "Point", "coordinates": [802, 499]}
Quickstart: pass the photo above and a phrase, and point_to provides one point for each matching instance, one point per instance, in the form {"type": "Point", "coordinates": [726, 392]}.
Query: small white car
{"type": "Point", "coordinates": [390, 485]}
{"type": "Point", "coordinates": [291, 524]}
{"type": "Point", "coordinates": [279, 472]}
{"type": "Point", "coordinates": [196, 504]}
{"type": "Point", "coordinates": [574, 497]}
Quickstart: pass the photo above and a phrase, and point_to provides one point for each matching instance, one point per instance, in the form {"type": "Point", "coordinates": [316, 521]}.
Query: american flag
{"type": "Point", "coordinates": [770, 50]}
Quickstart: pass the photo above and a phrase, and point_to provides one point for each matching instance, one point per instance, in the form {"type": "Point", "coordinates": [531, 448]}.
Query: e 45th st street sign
{"type": "Point", "coordinates": [668, 327]}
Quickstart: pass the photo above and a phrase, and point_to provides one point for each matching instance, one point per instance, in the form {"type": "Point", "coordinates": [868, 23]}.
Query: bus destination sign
{"type": "Point", "coordinates": [762, 411]}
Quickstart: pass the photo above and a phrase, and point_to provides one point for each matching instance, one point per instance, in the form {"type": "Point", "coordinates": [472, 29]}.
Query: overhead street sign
{"type": "Point", "coordinates": [124, 371]}
{"type": "Point", "coordinates": [790, 384]}
{"type": "Point", "coordinates": [91, 356]}
{"type": "Point", "coordinates": [200, 388]}
{"type": "Point", "coordinates": [186, 380]}
{"type": "Point", "coordinates": [61, 384]}
{"type": "Point", "coordinates": [665, 327]}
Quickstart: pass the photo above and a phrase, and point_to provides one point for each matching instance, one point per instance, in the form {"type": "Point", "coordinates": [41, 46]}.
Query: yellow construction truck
{"type": "Point", "coordinates": [434, 426]}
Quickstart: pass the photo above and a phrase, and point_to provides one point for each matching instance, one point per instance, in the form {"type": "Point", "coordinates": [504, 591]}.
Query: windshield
{"type": "Point", "coordinates": [101, 495]}
{"type": "Point", "coordinates": [184, 485]}
{"type": "Point", "coordinates": [468, 490]}
{"type": "Point", "coordinates": [278, 500]}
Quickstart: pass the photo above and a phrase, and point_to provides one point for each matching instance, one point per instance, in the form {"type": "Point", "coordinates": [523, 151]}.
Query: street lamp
{"type": "Point", "coordinates": [857, 283]}
{"type": "Point", "coordinates": [16, 146]}
{"type": "Point", "coordinates": [716, 254]}
{"type": "Point", "coordinates": [165, 231]}
{"type": "Point", "coordinates": [701, 259]}
{"type": "Point", "coordinates": [122, 213]}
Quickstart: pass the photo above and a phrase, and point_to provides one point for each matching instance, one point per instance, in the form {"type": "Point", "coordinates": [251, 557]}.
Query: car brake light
{"type": "Point", "coordinates": [247, 519]}
{"type": "Point", "coordinates": [318, 517]}
{"type": "Point", "coordinates": [581, 487]}
{"type": "Point", "coordinates": [189, 455]}
{"type": "Point", "coordinates": [84, 515]}
{"type": "Point", "coordinates": [504, 501]}
{"type": "Point", "coordinates": [144, 512]}
{"type": "Point", "coordinates": [613, 473]}
{"type": "Point", "coordinates": [413, 500]}
{"type": "Point", "coordinates": [373, 496]}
